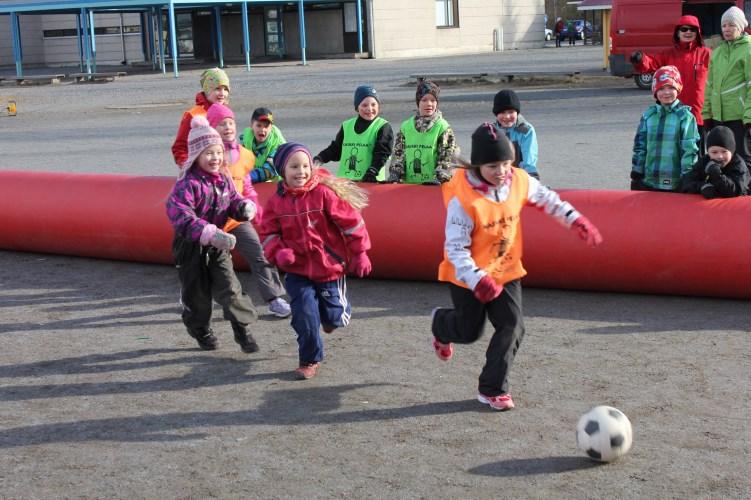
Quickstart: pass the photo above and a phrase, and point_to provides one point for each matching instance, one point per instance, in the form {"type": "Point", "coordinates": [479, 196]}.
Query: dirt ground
{"type": "Point", "coordinates": [105, 396]}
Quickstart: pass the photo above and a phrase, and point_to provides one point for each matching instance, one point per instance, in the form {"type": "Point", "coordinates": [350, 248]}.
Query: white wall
{"type": "Point", "coordinates": [407, 29]}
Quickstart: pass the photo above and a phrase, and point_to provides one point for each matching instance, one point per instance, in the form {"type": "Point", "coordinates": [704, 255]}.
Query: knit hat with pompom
{"type": "Point", "coordinates": [201, 136]}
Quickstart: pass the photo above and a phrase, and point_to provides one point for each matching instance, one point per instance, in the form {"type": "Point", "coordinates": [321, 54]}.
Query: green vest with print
{"type": "Point", "coordinates": [357, 149]}
{"type": "Point", "coordinates": [420, 151]}
{"type": "Point", "coordinates": [263, 150]}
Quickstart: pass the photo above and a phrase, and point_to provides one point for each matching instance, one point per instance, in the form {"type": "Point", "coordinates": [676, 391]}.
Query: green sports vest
{"type": "Point", "coordinates": [263, 150]}
{"type": "Point", "coordinates": [420, 151]}
{"type": "Point", "coordinates": [357, 149]}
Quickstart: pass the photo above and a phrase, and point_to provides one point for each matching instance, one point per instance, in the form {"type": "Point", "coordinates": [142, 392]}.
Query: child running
{"type": "Point", "coordinates": [313, 231]}
{"type": "Point", "coordinates": [240, 163]}
{"type": "Point", "coordinates": [214, 88]}
{"type": "Point", "coordinates": [363, 144]}
{"type": "Point", "coordinates": [200, 203]}
{"type": "Point", "coordinates": [482, 257]}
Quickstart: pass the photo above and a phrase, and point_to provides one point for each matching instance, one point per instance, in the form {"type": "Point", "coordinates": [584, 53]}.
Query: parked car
{"type": "Point", "coordinates": [548, 34]}
{"type": "Point", "coordinates": [582, 29]}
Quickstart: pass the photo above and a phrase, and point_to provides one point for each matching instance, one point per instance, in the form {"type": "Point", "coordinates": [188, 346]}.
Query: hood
{"type": "Point", "coordinates": [688, 21]}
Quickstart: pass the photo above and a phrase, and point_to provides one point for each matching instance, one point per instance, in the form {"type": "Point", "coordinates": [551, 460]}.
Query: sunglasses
{"type": "Point", "coordinates": [684, 29]}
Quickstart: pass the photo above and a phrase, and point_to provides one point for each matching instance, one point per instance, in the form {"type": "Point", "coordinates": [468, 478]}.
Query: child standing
{"type": "Point", "coordinates": [666, 141]}
{"type": "Point", "coordinates": [482, 257]}
{"type": "Point", "coordinates": [200, 203]}
{"type": "Point", "coordinates": [363, 144]}
{"type": "Point", "coordinates": [721, 173]}
{"type": "Point", "coordinates": [425, 145]}
{"type": "Point", "coordinates": [313, 231]}
{"type": "Point", "coordinates": [262, 138]}
{"type": "Point", "coordinates": [507, 110]}
{"type": "Point", "coordinates": [214, 88]}
{"type": "Point", "coordinates": [240, 164]}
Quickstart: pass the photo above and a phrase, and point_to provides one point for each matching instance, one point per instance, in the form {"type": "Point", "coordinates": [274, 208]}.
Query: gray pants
{"type": "Point", "coordinates": [249, 246]}
{"type": "Point", "coordinates": [205, 274]}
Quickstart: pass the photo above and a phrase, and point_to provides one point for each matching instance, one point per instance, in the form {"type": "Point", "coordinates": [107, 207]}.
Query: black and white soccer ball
{"type": "Point", "coordinates": [604, 433]}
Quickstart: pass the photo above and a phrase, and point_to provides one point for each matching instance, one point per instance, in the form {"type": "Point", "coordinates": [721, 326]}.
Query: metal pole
{"type": "Point", "coordinates": [79, 40]}
{"type": "Point", "coordinates": [301, 20]}
{"type": "Point", "coordinates": [359, 27]}
{"type": "Point", "coordinates": [160, 37]}
{"type": "Point", "coordinates": [16, 37]}
{"type": "Point", "coordinates": [173, 37]}
{"type": "Point", "coordinates": [218, 24]}
{"type": "Point", "coordinates": [93, 39]}
{"type": "Point", "coordinates": [246, 36]}
{"type": "Point", "coordinates": [122, 39]}
{"type": "Point", "coordinates": [85, 38]}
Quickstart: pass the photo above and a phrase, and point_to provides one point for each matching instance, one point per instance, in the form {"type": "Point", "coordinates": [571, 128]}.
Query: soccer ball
{"type": "Point", "coordinates": [604, 433]}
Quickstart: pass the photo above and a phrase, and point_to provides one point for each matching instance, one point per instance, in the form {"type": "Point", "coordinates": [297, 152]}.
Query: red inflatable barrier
{"type": "Point", "coordinates": [654, 242]}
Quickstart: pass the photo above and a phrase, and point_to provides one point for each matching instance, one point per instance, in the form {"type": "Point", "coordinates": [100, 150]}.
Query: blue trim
{"type": "Point", "coordinates": [246, 36]}
{"type": "Point", "coordinates": [301, 20]}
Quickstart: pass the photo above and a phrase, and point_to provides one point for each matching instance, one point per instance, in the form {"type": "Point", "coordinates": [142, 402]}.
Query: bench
{"type": "Point", "coordinates": [97, 77]}
{"type": "Point", "coordinates": [507, 76]}
{"type": "Point", "coordinates": [36, 79]}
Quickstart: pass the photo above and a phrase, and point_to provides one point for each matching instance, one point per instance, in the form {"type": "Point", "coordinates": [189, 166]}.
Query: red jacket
{"type": "Point", "coordinates": [692, 61]}
{"type": "Point", "coordinates": [180, 146]}
{"type": "Point", "coordinates": [323, 230]}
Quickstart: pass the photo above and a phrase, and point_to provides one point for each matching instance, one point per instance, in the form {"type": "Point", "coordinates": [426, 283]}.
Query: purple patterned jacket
{"type": "Point", "coordinates": [201, 198]}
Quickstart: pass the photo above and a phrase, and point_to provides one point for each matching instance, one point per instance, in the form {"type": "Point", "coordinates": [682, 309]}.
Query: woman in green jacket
{"type": "Point", "coordinates": [727, 96]}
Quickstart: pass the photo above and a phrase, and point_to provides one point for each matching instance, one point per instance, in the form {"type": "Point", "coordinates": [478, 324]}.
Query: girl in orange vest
{"type": "Point", "coordinates": [240, 162]}
{"type": "Point", "coordinates": [214, 89]}
{"type": "Point", "coordinates": [482, 257]}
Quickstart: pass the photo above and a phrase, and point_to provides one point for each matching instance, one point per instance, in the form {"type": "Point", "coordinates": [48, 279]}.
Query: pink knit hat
{"type": "Point", "coordinates": [201, 136]}
{"type": "Point", "coordinates": [218, 112]}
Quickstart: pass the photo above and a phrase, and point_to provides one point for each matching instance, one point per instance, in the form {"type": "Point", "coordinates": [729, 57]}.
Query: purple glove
{"type": "Point", "coordinates": [487, 289]}
{"type": "Point", "coordinates": [284, 257]}
{"type": "Point", "coordinates": [587, 231]}
{"type": "Point", "coordinates": [360, 265]}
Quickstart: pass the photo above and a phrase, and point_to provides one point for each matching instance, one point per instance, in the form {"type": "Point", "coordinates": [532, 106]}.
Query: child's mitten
{"type": "Point", "coordinates": [360, 265]}
{"type": "Point", "coordinates": [249, 210]}
{"type": "Point", "coordinates": [587, 231]}
{"type": "Point", "coordinates": [284, 257]}
{"type": "Point", "coordinates": [223, 241]}
{"type": "Point", "coordinates": [487, 289]}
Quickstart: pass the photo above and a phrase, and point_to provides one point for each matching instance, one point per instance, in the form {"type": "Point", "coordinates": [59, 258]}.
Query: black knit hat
{"type": "Point", "coordinates": [490, 146]}
{"type": "Point", "coordinates": [364, 91]}
{"type": "Point", "coordinates": [506, 99]}
{"type": "Point", "coordinates": [721, 136]}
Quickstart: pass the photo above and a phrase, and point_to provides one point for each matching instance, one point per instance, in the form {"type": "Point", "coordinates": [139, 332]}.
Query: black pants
{"type": "Point", "coordinates": [742, 137]}
{"type": "Point", "coordinates": [206, 273]}
{"type": "Point", "coordinates": [465, 323]}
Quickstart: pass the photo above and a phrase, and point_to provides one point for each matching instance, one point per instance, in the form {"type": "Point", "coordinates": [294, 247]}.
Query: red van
{"type": "Point", "coordinates": [648, 25]}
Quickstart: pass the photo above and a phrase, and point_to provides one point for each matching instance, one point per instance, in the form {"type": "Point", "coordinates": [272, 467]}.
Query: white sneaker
{"type": "Point", "coordinates": [279, 308]}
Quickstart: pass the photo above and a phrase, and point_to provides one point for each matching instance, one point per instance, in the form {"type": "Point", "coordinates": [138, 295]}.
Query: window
{"type": "Point", "coordinates": [106, 30]}
{"type": "Point", "coordinates": [446, 13]}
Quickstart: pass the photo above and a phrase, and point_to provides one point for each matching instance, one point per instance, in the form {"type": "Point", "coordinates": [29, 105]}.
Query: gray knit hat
{"type": "Point", "coordinates": [735, 16]}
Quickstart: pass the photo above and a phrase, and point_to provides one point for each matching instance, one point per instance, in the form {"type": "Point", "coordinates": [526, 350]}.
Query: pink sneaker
{"type": "Point", "coordinates": [304, 372]}
{"type": "Point", "coordinates": [443, 351]}
{"type": "Point", "coordinates": [500, 403]}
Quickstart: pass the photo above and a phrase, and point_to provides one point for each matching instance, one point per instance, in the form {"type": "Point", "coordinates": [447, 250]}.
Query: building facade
{"type": "Point", "coordinates": [390, 29]}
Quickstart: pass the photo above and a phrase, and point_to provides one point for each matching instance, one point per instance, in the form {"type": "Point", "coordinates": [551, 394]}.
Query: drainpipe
{"type": "Point", "coordinates": [371, 29]}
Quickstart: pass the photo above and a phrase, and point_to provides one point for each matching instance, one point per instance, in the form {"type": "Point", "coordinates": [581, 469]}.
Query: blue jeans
{"type": "Point", "coordinates": [315, 304]}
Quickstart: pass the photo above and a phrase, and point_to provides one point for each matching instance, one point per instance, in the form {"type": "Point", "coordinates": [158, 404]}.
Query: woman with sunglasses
{"type": "Point", "coordinates": [691, 57]}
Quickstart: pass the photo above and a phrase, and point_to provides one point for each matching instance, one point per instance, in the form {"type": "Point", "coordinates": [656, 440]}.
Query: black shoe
{"type": "Point", "coordinates": [205, 338]}
{"type": "Point", "coordinates": [245, 339]}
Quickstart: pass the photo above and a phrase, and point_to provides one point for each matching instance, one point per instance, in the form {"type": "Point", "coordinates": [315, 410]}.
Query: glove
{"type": "Point", "coordinates": [636, 57]}
{"type": "Point", "coordinates": [713, 168]}
{"type": "Point", "coordinates": [709, 124]}
{"type": "Point", "coordinates": [249, 210]}
{"type": "Point", "coordinates": [369, 176]}
{"type": "Point", "coordinates": [222, 240]}
{"type": "Point", "coordinates": [487, 289]}
{"type": "Point", "coordinates": [284, 257]}
{"type": "Point", "coordinates": [360, 265]}
{"type": "Point", "coordinates": [708, 191]}
{"type": "Point", "coordinates": [317, 161]}
{"type": "Point", "coordinates": [587, 231]}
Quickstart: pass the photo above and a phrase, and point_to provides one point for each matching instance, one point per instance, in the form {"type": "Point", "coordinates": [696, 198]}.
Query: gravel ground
{"type": "Point", "coordinates": [105, 396]}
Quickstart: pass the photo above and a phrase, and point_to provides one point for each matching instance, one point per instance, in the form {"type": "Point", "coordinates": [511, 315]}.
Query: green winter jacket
{"type": "Point", "coordinates": [727, 95]}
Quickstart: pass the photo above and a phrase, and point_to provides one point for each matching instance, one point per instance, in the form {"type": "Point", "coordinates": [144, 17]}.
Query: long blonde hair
{"type": "Point", "coordinates": [345, 189]}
